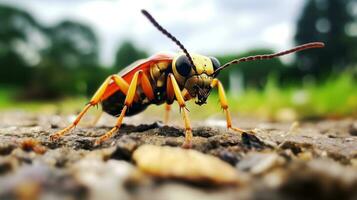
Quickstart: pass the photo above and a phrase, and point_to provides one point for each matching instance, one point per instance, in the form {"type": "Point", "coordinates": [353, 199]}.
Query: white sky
{"type": "Point", "coordinates": [208, 27]}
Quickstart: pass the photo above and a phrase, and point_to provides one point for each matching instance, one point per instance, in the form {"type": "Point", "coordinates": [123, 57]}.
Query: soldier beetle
{"type": "Point", "coordinates": [165, 78]}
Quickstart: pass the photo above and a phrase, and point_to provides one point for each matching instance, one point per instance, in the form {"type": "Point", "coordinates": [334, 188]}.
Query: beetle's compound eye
{"type": "Point", "coordinates": [215, 63]}
{"type": "Point", "coordinates": [183, 66]}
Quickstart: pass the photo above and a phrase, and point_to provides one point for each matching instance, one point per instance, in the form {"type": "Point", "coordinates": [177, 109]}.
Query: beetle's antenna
{"type": "Point", "coordinates": [165, 32]}
{"type": "Point", "coordinates": [270, 56]}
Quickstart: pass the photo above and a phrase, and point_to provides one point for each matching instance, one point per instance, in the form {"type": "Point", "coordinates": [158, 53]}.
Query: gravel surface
{"type": "Point", "coordinates": [307, 160]}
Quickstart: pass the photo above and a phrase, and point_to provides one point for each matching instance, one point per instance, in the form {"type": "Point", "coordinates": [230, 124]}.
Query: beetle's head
{"type": "Point", "coordinates": [197, 78]}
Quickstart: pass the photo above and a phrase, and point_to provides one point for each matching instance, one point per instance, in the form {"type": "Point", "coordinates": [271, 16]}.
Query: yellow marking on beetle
{"type": "Point", "coordinates": [203, 64]}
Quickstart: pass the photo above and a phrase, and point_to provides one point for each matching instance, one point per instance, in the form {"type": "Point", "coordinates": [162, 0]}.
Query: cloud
{"type": "Point", "coordinates": [204, 26]}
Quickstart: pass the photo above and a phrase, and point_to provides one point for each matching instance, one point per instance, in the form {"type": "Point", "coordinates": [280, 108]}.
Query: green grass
{"type": "Point", "coordinates": [8, 102]}
{"type": "Point", "coordinates": [5, 97]}
{"type": "Point", "coordinates": [334, 98]}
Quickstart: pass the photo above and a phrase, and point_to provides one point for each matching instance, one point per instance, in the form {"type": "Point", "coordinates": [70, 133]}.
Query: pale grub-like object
{"type": "Point", "coordinates": [173, 162]}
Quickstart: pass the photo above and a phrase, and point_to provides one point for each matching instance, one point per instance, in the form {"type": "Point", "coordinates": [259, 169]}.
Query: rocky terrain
{"type": "Point", "coordinates": [306, 160]}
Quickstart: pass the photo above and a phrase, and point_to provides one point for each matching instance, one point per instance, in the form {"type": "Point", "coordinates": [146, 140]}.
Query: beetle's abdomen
{"type": "Point", "coordinates": [115, 103]}
{"type": "Point", "coordinates": [157, 74]}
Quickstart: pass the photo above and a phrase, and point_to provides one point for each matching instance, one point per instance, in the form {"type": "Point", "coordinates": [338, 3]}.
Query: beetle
{"type": "Point", "coordinates": [165, 78]}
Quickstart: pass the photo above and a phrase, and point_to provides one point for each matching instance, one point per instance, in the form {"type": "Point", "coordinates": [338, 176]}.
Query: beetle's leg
{"type": "Point", "coordinates": [129, 99]}
{"type": "Point", "coordinates": [224, 104]}
{"type": "Point", "coordinates": [173, 90]}
{"type": "Point", "coordinates": [167, 113]}
{"type": "Point", "coordinates": [186, 96]}
{"type": "Point", "coordinates": [123, 86]}
{"type": "Point", "coordinates": [146, 86]}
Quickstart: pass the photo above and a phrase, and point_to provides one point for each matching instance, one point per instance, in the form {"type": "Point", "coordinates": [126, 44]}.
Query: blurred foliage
{"type": "Point", "coordinates": [52, 62]}
{"type": "Point", "coordinates": [73, 50]}
{"type": "Point", "coordinates": [127, 53]}
{"type": "Point", "coordinates": [73, 45]}
{"type": "Point", "coordinates": [47, 62]}
{"type": "Point", "coordinates": [329, 21]}
{"type": "Point", "coordinates": [15, 39]}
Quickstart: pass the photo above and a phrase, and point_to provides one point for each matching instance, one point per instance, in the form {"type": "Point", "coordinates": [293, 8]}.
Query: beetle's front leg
{"type": "Point", "coordinates": [186, 96]}
{"type": "Point", "coordinates": [224, 105]}
{"type": "Point", "coordinates": [173, 90]}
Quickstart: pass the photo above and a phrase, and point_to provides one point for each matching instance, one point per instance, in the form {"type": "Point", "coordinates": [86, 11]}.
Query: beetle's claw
{"type": "Point", "coordinates": [55, 137]}
{"type": "Point", "coordinates": [97, 142]}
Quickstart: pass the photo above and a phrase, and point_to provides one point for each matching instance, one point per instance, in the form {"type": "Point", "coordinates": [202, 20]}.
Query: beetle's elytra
{"type": "Point", "coordinates": [165, 78]}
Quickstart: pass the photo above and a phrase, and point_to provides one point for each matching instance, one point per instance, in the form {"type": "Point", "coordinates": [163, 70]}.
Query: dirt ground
{"type": "Point", "coordinates": [306, 160]}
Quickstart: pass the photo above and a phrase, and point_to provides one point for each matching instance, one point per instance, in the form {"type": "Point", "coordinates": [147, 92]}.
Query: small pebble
{"type": "Point", "coordinates": [258, 163]}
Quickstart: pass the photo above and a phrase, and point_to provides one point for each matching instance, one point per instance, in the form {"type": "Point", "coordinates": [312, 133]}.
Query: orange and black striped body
{"type": "Point", "coordinates": [157, 69]}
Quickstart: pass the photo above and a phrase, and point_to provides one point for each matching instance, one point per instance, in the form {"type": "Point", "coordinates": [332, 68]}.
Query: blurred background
{"type": "Point", "coordinates": [55, 53]}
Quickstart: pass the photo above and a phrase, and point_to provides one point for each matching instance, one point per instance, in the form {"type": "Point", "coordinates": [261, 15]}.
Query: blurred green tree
{"type": "Point", "coordinates": [21, 39]}
{"type": "Point", "coordinates": [127, 53]}
{"type": "Point", "coordinates": [327, 21]}
{"type": "Point", "coordinates": [47, 62]}
{"type": "Point", "coordinates": [73, 45]}
{"type": "Point", "coordinates": [68, 65]}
